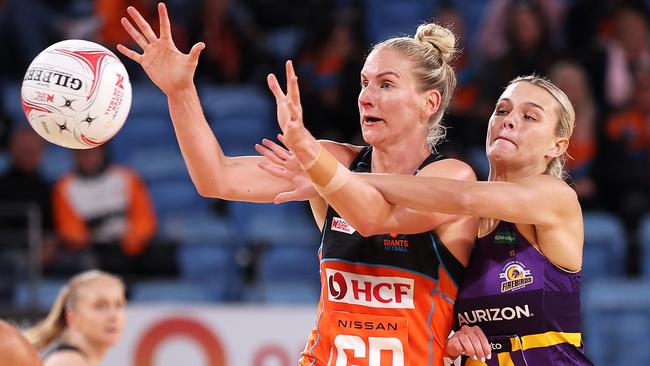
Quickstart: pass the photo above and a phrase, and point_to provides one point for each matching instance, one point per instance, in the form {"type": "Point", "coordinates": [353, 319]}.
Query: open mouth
{"type": "Point", "coordinates": [371, 120]}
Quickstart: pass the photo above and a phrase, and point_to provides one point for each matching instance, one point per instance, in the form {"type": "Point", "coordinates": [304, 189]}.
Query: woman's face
{"type": "Point", "coordinates": [521, 131]}
{"type": "Point", "coordinates": [390, 104]}
{"type": "Point", "coordinates": [98, 313]}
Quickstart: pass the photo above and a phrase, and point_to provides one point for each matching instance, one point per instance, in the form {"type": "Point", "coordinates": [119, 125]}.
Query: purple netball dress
{"type": "Point", "coordinates": [527, 307]}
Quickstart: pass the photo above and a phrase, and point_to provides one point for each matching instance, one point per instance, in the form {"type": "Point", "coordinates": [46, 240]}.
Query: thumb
{"type": "Point", "coordinates": [196, 51]}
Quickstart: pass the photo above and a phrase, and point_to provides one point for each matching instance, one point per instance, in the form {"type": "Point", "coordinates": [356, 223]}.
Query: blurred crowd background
{"type": "Point", "coordinates": [130, 207]}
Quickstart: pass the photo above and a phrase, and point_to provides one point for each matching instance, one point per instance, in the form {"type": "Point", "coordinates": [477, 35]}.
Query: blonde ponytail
{"type": "Point", "coordinates": [50, 328]}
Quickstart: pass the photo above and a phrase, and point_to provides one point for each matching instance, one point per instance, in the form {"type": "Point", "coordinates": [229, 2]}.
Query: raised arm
{"type": "Point", "coordinates": [213, 173]}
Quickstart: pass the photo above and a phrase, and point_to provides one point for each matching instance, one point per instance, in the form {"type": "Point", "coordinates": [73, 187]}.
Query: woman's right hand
{"type": "Point", "coordinates": [284, 164]}
{"type": "Point", "coordinates": [171, 70]}
{"type": "Point", "coordinates": [470, 342]}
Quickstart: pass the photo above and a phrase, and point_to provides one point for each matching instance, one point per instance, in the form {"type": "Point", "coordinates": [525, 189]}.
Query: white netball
{"type": "Point", "coordinates": [76, 94]}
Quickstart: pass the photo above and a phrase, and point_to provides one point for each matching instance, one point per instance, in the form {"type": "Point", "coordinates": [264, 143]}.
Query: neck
{"type": "Point", "coordinates": [503, 173]}
{"type": "Point", "coordinates": [400, 157]}
{"type": "Point", "coordinates": [93, 351]}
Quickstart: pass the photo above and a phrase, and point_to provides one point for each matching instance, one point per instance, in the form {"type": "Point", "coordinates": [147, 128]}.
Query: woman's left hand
{"type": "Point", "coordinates": [289, 112]}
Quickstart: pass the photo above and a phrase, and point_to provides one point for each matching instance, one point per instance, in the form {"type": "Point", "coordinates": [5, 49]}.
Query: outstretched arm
{"type": "Point", "coordinates": [213, 173]}
{"type": "Point", "coordinates": [543, 201]}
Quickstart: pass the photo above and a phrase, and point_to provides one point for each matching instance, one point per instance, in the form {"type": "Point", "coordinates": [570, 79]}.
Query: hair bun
{"type": "Point", "coordinates": [438, 38]}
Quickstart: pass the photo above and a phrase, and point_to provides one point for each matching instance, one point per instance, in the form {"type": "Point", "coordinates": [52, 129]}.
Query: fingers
{"type": "Point", "coordinates": [195, 52]}
{"type": "Point", "coordinates": [145, 28]}
{"type": "Point", "coordinates": [478, 349]}
{"type": "Point", "coordinates": [277, 149]}
{"type": "Point", "coordinates": [134, 33]}
{"type": "Point", "coordinates": [272, 169]}
{"type": "Point", "coordinates": [286, 197]}
{"type": "Point", "coordinates": [294, 111]}
{"type": "Point", "coordinates": [485, 344]}
{"type": "Point", "coordinates": [129, 53]}
{"type": "Point", "coordinates": [273, 84]}
{"type": "Point", "coordinates": [269, 154]}
{"type": "Point", "coordinates": [453, 347]}
{"type": "Point", "coordinates": [468, 347]}
{"type": "Point", "coordinates": [292, 83]}
{"type": "Point", "coordinates": [163, 19]}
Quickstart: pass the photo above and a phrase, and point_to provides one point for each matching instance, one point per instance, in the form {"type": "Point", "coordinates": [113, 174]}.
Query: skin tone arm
{"type": "Point", "coordinates": [543, 201]}
{"type": "Point", "coordinates": [213, 173]}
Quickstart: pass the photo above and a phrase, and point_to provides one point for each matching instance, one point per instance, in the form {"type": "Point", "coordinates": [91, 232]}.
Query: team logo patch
{"type": "Point", "coordinates": [504, 237]}
{"type": "Point", "coordinates": [338, 224]}
{"type": "Point", "coordinates": [396, 243]}
{"type": "Point", "coordinates": [516, 276]}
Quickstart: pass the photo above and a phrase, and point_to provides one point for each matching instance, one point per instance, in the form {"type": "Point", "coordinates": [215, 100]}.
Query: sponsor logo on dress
{"type": "Point", "coordinates": [370, 291]}
{"type": "Point", "coordinates": [493, 315]}
{"type": "Point", "coordinates": [516, 276]}
{"type": "Point", "coordinates": [338, 224]}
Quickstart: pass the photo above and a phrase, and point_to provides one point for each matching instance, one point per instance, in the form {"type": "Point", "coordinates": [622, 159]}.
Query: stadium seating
{"type": "Point", "coordinates": [605, 246]}
{"type": "Point", "coordinates": [617, 322]}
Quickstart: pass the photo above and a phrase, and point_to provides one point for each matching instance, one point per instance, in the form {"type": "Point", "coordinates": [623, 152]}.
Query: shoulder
{"type": "Point", "coordinates": [65, 358]}
{"type": "Point", "coordinates": [344, 153]}
{"type": "Point", "coordinates": [449, 168]}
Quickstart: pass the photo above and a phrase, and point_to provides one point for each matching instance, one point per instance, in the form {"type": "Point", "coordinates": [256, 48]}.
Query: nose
{"type": "Point", "coordinates": [508, 122]}
{"type": "Point", "coordinates": [365, 97]}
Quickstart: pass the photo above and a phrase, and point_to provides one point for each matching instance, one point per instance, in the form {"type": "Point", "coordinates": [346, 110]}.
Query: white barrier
{"type": "Point", "coordinates": [167, 335]}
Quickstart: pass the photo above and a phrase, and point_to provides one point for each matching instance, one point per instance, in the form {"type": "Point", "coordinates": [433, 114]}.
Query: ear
{"type": "Point", "coordinates": [432, 100]}
{"type": "Point", "coordinates": [69, 318]}
{"type": "Point", "coordinates": [559, 147]}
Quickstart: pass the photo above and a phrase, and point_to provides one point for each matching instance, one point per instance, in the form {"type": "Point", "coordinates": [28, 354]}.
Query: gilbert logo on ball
{"type": "Point", "coordinates": [76, 94]}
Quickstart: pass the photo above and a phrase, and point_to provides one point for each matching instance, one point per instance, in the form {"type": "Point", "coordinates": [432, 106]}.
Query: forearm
{"type": "Point", "coordinates": [201, 151]}
{"type": "Point", "coordinates": [358, 202]}
{"type": "Point", "coordinates": [427, 194]}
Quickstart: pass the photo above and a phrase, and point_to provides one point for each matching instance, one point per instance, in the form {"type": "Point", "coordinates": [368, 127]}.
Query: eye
{"type": "Point", "coordinates": [386, 84]}
{"type": "Point", "coordinates": [364, 83]}
{"type": "Point", "coordinates": [500, 111]}
{"type": "Point", "coordinates": [529, 117]}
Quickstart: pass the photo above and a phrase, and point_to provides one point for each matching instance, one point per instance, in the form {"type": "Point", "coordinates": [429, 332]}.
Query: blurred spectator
{"type": "Point", "coordinates": [529, 50]}
{"type": "Point", "coordinates": [626, 155]}
{"type": "Point", "coordinates": [234, 45]}
{"type": "Point", "coordinates": [23, 188]}
{"type": "Point", "coordinates": [105, 208]}
{"type": "Point", "coordinates": [329, 64]}
{"type": "Point", "coordinates": [624, 49]}
{"type": "Point", "coordinates": [583, 148]}
{"type": "Point", "coordinates": [496, 32]}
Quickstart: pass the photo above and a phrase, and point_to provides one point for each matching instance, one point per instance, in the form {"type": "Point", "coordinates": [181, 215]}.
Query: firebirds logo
{"type": "Point", "coordinates": [371, 291]}
{"type": "Point", "coordinates": [516, 276]}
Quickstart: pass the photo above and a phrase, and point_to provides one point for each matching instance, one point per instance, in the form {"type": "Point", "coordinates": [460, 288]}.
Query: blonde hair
{"type": "Point", "coordinates": [431, 50]}
{"type": "Point", "coordinates": [53, 326]}
{"type": "Point", "coordinates": [566, 121]}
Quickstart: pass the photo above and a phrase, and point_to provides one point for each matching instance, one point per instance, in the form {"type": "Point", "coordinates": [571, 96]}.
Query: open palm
{"type": "Point", "coordinates": [170, 69]}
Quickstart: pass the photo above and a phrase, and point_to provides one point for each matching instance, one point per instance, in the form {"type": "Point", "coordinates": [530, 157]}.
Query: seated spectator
{"type": "Point", "coordinates": [105, 208]}
{"type": "Point", "coordinates": [24, 195]}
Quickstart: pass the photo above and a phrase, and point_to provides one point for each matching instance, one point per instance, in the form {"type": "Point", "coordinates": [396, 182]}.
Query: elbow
{"type": "Point", "coordinates": [368, 228]}
{"type": "Point", "coordinates": [208, 189]}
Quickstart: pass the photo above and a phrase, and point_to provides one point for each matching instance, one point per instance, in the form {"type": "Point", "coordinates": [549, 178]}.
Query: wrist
{"type": "Point", "coordinates": [184, 92]}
